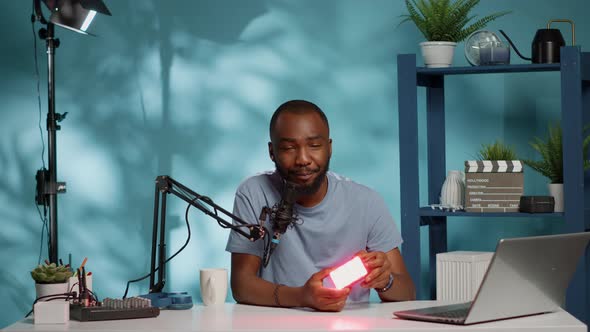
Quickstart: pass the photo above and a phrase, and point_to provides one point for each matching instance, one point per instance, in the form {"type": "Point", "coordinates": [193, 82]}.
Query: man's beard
{"type": "Point", "coordinates": [302, 189]}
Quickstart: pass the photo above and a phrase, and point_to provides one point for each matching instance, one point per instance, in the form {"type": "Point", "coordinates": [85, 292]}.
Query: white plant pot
{"type": "Point", "coordinates": [438, 54]}
{"type": "Point", "coordinates": [50, 289]}
{"type": "Point", "coordinates": [556, 190]}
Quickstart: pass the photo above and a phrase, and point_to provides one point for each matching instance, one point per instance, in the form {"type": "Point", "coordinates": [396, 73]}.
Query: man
{"type": "Point", "coordinates": [336, 220]}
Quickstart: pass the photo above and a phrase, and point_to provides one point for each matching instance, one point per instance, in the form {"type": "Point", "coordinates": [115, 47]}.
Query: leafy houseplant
{"type": "Point", "coordinates": [51, 274]}
{"type": "Point", "coordinates": [445, 23]}
{"type": "Point", "coordinates": [446, 20]}
{"type": "Point", "coordinates": [51, 279]}
{"type": "Point", "coordinates": [551, 163]}
{"type": "Point", "coordinates": [496, 151]}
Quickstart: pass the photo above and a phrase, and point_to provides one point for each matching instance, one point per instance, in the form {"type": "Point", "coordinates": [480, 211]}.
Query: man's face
{"type": "Point", "coordinates": [301, 150]}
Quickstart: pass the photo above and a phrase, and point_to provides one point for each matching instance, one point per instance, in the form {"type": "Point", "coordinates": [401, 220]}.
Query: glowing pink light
{"type": "Point", "coordinates": [340, 324]}
{"type": "Point", "coordinates": [348, 273]}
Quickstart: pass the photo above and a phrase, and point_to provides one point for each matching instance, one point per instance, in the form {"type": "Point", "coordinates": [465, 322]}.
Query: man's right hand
{"type": "Point", "coordinates": [318, 297]}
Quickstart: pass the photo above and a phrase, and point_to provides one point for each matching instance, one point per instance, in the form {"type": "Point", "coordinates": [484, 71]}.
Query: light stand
{"type": "Point", "coordinates": [166, 185]}
{"type": "Point", "coordinates": [66, 13]}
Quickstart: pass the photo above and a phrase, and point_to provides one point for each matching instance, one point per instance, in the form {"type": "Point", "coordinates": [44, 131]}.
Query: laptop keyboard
{"type": "Point", "coordinates": [454, 313]}
{"type": "Point", "coordinates": [457, 313]}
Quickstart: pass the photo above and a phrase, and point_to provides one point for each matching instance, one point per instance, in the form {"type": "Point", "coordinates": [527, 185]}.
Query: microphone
{"type": "Point", "coordinates": [282, 215]}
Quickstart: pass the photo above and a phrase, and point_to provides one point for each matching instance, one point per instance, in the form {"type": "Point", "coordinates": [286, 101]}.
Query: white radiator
{"type": "Point", "coordinates": [459, 274]}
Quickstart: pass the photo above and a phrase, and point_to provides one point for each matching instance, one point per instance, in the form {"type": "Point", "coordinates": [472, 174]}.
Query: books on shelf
{"type": "Point", "coordinates": [493, 185]}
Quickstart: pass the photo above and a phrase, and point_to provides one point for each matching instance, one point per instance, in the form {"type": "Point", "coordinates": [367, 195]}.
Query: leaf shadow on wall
{"type": "Point", "coordinates": [90, 75]}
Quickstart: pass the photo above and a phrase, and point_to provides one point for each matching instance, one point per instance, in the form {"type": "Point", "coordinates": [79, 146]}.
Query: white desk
{"type": "Point", "coordinates": [369, 317]}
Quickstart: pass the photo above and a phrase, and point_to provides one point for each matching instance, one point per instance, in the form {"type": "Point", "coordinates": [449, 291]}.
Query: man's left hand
{"type": "Point", "coordinates": [379, 268]}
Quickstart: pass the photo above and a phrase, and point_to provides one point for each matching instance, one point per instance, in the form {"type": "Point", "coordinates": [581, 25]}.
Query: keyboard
{"type": "Point", "coordinates": [85, 314]}
{"type": "Point", "coordinates": [459, 313]}
{"type": "Point", "coordinates": [112, 309]}
{"type": "Point", "coordinates": [454, 313]}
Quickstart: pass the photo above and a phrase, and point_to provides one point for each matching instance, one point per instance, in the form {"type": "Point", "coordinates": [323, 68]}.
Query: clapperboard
{"type": "Point", "coordinates": [493, 185]}
{"type": "Point", "coordinates": [493, 166]}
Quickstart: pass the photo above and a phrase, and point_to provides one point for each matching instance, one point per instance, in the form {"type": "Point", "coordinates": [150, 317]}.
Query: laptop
{"type": "Point", "coordinates": [526, 276]}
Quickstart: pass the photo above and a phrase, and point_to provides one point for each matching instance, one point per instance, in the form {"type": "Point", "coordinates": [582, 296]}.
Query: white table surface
{"type": "Point", "coordinates": [369, 316]}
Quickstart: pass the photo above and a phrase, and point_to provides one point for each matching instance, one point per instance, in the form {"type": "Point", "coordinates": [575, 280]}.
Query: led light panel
{"type": "Point", "coordinates": [348, 273]}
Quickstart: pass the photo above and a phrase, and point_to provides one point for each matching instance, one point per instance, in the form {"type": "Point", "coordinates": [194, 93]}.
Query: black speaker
{"type": "Point", "coordinates": [537, 204]}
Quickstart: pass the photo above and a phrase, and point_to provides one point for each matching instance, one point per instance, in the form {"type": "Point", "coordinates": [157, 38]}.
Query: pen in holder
{"type": "Point", "coordinates": [74, 284]}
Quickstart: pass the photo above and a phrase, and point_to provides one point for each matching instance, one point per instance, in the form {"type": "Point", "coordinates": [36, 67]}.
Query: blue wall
{"type": "Point", "coordinates": [186, 88]}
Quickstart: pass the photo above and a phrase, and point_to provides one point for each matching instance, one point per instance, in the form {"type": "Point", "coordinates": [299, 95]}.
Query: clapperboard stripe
{"type": "Point", "coordinates": [493, 166]}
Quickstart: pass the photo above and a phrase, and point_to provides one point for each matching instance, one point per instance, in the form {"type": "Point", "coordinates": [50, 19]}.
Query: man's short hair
{"type": "Point", "coordinates": [296, 107]}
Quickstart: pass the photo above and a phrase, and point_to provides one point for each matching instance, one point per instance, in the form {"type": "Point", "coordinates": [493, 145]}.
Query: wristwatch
{"type": "Point", "coordinates": [386, 288]}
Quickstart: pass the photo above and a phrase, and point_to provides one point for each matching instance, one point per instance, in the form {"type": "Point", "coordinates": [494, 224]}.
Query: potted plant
{"type": "Point", "coordinates": [51, 279]}
{"type": "Point", "coordinates": [496, 151]}
{"type": "Point", "coordinates": [551, 163]}
{"type": "Point", "coordinates": [495, 181]}
{"type": "Point", "coordinates": [444, 23]}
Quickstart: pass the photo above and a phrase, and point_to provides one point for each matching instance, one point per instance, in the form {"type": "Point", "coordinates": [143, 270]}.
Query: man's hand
{"type": "Point", "coordinates": [379, 269]}
{"type": "Point", "coordinates": [318, 297]}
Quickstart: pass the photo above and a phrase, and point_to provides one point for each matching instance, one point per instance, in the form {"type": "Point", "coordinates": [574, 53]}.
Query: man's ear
{"type": "Point", "coordinates": [271, 152]}
{"type": "Point", "coordinates": [330, 147]}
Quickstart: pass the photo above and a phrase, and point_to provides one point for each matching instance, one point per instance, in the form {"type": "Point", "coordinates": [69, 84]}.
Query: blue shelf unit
{"type": "Point", "coordinates": [574, 72]}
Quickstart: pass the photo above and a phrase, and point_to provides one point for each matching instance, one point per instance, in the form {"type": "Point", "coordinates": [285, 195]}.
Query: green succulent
{"type": "Point", "coordinates": [446, 20]}
{"type": "Point", "coordinates": [496, 151]}
{"type": "Point", "coordinates": [551, 163]}
{"type": "Point", "coordinates": [51, 274]}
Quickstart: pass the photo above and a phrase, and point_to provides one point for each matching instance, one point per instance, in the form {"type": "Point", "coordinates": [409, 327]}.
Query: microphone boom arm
{"type": "Point", "coordinates": [166, 185]}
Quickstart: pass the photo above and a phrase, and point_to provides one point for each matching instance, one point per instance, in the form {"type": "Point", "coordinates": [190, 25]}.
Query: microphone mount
{"type": "Point", "coordinates": [282, 216]}
{"type": "Point", "coordinates": [166, 185]}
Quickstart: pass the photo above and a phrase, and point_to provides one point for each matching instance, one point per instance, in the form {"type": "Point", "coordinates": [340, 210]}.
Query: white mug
{"type": "Point", "coordinates": [213, 286]}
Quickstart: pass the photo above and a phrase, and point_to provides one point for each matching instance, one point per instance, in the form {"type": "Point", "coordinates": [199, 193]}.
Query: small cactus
{"type": "Point", "coordinates": [51, 274]}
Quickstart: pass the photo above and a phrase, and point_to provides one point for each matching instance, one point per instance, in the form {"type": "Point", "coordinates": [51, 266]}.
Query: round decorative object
{"type": "Point", "coordinates": [472, 44]}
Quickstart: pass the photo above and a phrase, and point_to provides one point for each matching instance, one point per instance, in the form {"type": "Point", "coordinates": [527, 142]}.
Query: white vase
{"type": "Point", "coordinates": [452, 194]}
{"type": "Point", "coordinates": [438, 54]}
{"type": "Point", "coordinates": [556, 190]}
{"type": "Point", "coordinates": [50, 289]}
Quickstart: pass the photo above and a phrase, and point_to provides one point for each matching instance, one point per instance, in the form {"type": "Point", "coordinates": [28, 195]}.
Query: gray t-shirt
{"type": "Point", "coordinates": [350, 218]}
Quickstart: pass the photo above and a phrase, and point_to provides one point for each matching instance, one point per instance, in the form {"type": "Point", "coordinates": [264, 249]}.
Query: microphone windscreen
{"type": "Point", "coordinates": [289, 194]}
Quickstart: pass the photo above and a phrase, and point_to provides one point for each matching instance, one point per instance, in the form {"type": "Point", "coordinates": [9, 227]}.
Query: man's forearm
{"type": "Point", "coordinates": [402, 289]}
{"type": "Point", "coordinates": [255, 290]}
